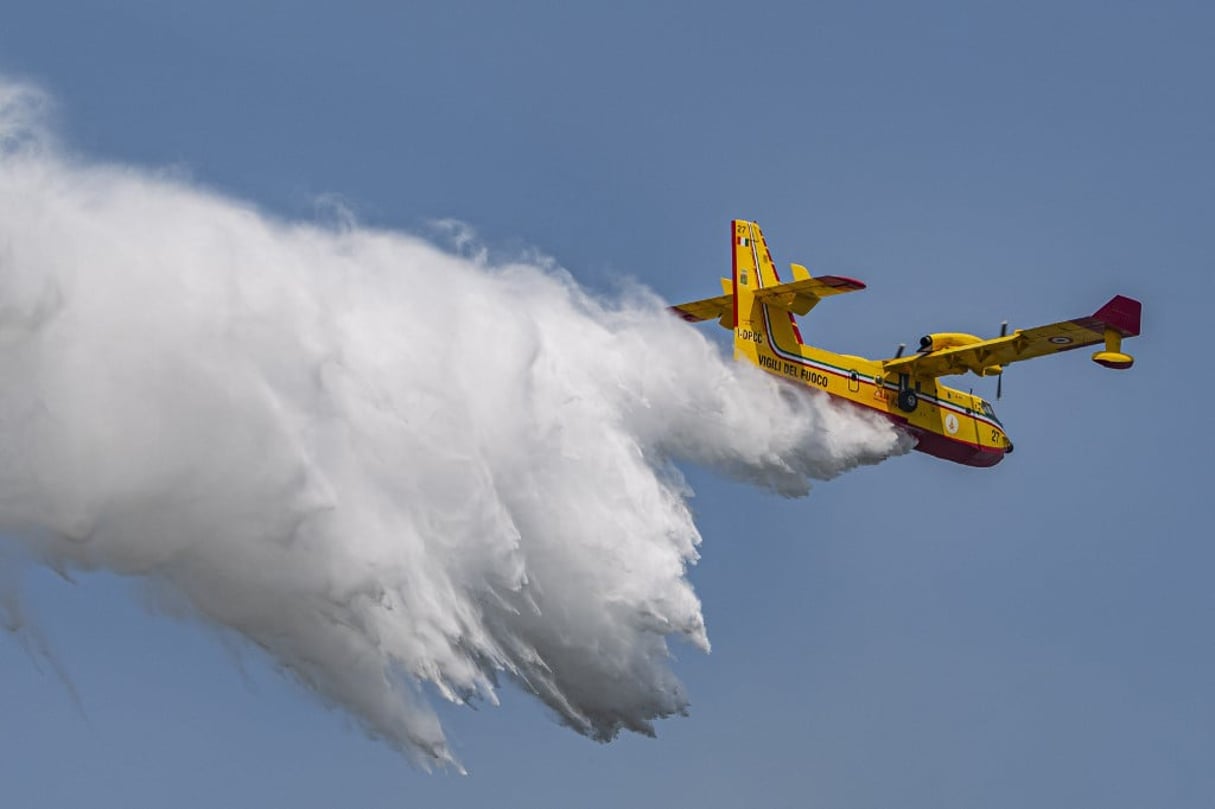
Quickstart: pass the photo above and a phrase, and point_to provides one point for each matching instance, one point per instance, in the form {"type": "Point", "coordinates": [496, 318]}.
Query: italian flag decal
{"type": "Point", "coordinates": [744, 241]}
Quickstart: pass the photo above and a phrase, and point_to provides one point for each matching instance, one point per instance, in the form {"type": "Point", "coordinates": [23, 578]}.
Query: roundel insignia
{"type": "Point", "coordinates": [1060, 340]}
{"type": "Point", "coordinates": [951, 424]}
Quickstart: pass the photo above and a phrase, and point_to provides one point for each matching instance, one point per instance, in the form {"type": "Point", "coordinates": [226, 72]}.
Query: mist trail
{"type": "Point", "coordinates": [380, 462]}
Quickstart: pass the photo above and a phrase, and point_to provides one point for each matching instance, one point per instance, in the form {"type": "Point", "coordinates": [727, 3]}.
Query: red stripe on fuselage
{"type": "Point", "coordinates": [734, 266]}
{"type": "Point", "coordinates": [953, 449]}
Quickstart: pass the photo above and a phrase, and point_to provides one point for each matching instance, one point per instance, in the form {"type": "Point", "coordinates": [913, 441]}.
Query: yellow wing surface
{"type": "Point", "coordinates": [941, 355]}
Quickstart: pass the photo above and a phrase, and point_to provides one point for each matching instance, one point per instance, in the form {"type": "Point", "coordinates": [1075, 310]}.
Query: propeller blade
{"type": "Point", "coordinates": [1000, 378]}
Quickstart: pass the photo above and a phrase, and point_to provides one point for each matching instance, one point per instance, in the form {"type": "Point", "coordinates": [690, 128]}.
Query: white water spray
{"type": "Point", "coordinates": [380, 462]}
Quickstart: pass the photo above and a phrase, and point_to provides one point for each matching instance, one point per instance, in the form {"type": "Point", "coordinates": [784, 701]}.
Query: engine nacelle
{"type": "Point", "coordinates": [947, 339]}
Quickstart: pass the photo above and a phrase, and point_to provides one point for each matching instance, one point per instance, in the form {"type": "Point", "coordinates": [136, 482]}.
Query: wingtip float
{"type": "Point", "coordinates": [948, 423]}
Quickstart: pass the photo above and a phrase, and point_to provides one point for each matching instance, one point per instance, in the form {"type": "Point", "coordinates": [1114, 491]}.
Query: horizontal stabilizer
{"type": "Point", "coordinates": [800, 296]}
{"type": "Point", "coordinates": [707, 309]}
{"type": "Point", "coordinates": [720, 308]}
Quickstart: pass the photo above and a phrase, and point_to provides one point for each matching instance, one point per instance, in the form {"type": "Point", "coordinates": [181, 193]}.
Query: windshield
{"type": "Point", "coordinates": [991, 414]}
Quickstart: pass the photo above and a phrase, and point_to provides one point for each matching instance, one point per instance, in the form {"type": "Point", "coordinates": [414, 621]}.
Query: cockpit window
{"type": "Point", "coordinates": [991, 414]}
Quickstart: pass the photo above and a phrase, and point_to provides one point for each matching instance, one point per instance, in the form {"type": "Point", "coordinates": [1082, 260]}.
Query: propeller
{"type": "Point", "coordinates": [1000, 378]}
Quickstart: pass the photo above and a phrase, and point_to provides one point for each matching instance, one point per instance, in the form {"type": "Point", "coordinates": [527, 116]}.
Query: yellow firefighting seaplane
{"type": "Point", "coordinates": [948, 423]}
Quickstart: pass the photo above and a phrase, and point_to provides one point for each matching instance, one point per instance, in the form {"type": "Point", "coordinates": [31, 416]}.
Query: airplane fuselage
{"type": "Point", "coordinates": [958, 426]}
{"type": "Point", "coordinates": [948, 423]}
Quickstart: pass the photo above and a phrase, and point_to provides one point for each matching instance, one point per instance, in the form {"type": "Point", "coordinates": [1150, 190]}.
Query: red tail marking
{"type": "Point", "coordinates": [1121, 313]}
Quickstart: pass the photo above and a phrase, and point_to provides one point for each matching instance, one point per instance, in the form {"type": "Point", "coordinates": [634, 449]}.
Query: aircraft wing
{"type": "Point", "coordinates": [1121, 314]}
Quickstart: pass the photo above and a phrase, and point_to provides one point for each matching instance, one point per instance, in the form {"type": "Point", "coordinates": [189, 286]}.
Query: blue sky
{"type": "Point", "coordinates": [915, 634]}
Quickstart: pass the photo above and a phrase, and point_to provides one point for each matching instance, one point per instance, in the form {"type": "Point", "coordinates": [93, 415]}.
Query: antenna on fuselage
{"type": "Point", "coordinates": [899, 353]}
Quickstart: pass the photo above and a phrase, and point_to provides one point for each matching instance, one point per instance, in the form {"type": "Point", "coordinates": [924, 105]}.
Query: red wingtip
{"type": "Point", "coordinates": [841, 281]}
{"type": "Point", "coordinates": [1121, 313]}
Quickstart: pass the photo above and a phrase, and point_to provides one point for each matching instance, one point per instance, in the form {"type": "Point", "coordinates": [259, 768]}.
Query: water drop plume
{"type": "Point", "coordinates": [384, 463]}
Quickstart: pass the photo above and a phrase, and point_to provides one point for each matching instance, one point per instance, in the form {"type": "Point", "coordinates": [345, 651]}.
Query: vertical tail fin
{"type": "Point", "coordinates": [754, 270]}
{"type": "Point", "coordinates": [752, 262]}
